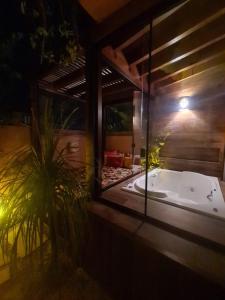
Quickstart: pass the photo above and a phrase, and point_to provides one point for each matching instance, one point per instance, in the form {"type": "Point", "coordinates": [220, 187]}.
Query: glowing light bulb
{"type": "Point", "coordinates": [184, 103]}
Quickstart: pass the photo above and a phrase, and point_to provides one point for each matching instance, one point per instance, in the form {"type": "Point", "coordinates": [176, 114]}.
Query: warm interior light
{"type": "Point", "coordinates": [184, 103]}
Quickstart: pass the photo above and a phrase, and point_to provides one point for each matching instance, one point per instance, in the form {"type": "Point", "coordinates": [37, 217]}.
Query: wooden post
{"type": "Point", "coordinates": [94, 126]}
{"type": "Point", "coordinates": [138, 138]}
{"type": "Point", "coordinates": [34, 115]}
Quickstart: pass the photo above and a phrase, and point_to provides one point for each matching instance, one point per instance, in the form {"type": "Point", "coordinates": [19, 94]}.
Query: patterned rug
{"type": "Point", "coordinates": [111, 175]}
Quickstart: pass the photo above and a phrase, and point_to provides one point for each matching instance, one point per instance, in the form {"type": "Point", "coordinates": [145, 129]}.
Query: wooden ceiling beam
{"type": "Point", "coordinates": [107, 79]}
{"type": "Point", "coordinates": [142, 32]}
{"type": "Point", "coordinates": [202, 67]}
{"type": "Point", "coordinates": [47, 89]}
{"type": "Point", "coordinates": [118, 62]}
{"type": "Point", "coordinates": [110, 77]}
{"type": "Point", "coordinates": [77, 90]}
{"type": "Point", "coordinates": [178, 66]}
{"type": "Point", "coordinates": [134, 14]}
{"type": "Point", "coordinates": [168, 32]}
{"type": "Point", "coordinates": [172, 78]}
{"type": "Point", "coordinates": [197, 41]}
{"type": "Point", "coordinates": [192, 43]}
{"type": "Point", "coordinates": [208, 81]}
{"type": "Point", "coordinates": [158, 65]}
{"type": "Point", "coordinates": [118, 89]}
{"type": "Point", "coordinates": [179, 25]}
{"type": "Point", "coordinates": [136, 37]}
{"type": "Point", "coordinates": [70, 78]}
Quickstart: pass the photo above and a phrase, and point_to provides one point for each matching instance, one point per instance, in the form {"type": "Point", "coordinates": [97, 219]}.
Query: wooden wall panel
{"type": "Point", "coordinates": [122, 143]}
{"type": "Point", "coordinates": [13, 137]}
{"type": "Point", "coordinates": [204, 167]}
{"type": "Point", "coordinates": [196, 137]}
{"type": "Point", "coordinates": [191, 153]}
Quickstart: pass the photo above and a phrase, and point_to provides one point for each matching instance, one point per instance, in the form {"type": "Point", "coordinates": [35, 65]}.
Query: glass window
{"type": "Point", "coordinates": [124, 102]}
{"type": "Point", "coordinates": [187, 93]}
{"type": "Point", "coordinates": [169, 76]}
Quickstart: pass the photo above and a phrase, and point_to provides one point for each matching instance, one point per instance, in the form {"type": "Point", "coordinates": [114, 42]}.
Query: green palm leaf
{"type": "Point", "coordinates": [43, 200]}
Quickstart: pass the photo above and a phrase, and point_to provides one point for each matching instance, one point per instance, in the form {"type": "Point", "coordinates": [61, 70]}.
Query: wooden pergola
{"type": "Point", "coordinates": [181, 48]}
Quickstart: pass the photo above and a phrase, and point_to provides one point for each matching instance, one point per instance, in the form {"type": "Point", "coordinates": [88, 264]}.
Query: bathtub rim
{"type": "Point", "coordinates": [175, 204]}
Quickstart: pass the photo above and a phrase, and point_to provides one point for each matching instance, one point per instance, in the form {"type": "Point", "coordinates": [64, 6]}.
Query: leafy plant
{"type": "Point", "coordinates": [119, 117]}
{"type": "Point", "coordinates": [35, 36]}
{"type": "Point", "coordinates": [43, 200]}
{"type": "Point", "coordinates": [53, 33]}
{"type": "Point", "coordinates": [154, 160]}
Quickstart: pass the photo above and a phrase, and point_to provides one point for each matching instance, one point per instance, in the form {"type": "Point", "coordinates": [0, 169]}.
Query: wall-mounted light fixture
{"type": "Point", "coordinates": [184, 103]}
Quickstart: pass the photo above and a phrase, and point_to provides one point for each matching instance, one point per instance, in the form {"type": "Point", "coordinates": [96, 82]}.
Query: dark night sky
{"type": "Point", "coordinates": [13, 60]}
{"type": "Point", "coordinates": [19, 64]}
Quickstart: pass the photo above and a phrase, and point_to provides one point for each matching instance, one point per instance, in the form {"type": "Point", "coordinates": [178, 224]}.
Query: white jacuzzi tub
{"type": "Point", "coordinates": [187, 189]}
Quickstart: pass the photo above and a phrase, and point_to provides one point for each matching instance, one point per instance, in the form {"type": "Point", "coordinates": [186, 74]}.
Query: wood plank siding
{"type": "Point", "coordinates": [187, 59]}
